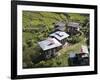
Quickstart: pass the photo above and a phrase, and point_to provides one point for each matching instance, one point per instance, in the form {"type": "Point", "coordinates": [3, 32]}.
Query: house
{"type": "Point", "coordinates": [73, 27]}
{"type": "Point", "coordinates": [49, 47]}
{"type": "Point", "coordinates": [60, 36]}
{"type": "Point", "coordinates": [78, 59]}
{"type": "Point", "coordinates": [60, 26]}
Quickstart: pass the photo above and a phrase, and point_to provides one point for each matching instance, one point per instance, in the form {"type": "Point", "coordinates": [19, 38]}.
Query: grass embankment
{"type": "Point", "coordinates": [62, 60]}
{"type": "Point", "coordinates": [72, 48]}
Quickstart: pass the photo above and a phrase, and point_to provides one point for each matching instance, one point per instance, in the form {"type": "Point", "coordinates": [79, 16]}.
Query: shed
{"type": "Point", "coordinates": [73, 27]}
{"type": "Point", "coordinates": [73, 24]}
{"type": "Point", "coordinates": [50, 46]}
{"type": "Point", "coordinates": [60, 26]}
{"type": "Point", "coordinates": [77, 59]}
{"type": "Point", "coordinates": [60, 36]}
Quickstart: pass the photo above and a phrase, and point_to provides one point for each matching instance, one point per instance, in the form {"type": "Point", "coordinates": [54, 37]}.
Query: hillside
{"type": "Point", "coordinates": [37, 26]}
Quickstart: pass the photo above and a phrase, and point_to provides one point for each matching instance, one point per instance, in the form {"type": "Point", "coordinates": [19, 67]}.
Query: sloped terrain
{"type": "Point", "coordinates": [37, 26]}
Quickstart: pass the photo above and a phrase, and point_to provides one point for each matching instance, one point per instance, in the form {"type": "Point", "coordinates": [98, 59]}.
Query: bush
{"type": "Point", "coordinates": [75, 39]}
{"type": "Point", "coordinates": [29, 43]}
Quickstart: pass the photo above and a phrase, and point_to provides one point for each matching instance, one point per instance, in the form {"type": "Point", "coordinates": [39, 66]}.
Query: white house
{"type": "Point", "coordinates": [60, 36]}
{"type": "Point", "coordinates": [50, 46]}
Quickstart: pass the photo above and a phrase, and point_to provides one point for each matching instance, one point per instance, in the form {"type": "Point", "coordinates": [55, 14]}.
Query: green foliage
{"type": "Point", "coordinates": [76, 38]}
{"type": "Point", "coordinates": [77, 17]}
{"type": "Point", "coordinates": [54, 62]}
{"type": "Point", "coordinates": [29, 43]}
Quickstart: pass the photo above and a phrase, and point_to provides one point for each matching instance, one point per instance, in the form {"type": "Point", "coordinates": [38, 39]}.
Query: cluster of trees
{"type": "Point", "coordinates": [38, 25]}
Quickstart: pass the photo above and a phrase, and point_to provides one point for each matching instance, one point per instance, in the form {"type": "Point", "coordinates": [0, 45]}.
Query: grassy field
{"type": "Point", "coordinates": [72, 48]}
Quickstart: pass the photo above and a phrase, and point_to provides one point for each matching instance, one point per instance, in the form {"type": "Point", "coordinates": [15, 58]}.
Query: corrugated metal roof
{"type": "Point", "coordinates": [60, 24]}
{"type": "Point", "coordinates": [73, 24]}
{"type": "Point", "coordinates": [59, 35]}
{"type": "Point", "coordinates": [84, 49]}
{"type": "Point", "coordinates": [72, 55]}
{"type": "Point", "coordinates": [61, 28]}
{"type": "Point", "coordinates": [49, 43]}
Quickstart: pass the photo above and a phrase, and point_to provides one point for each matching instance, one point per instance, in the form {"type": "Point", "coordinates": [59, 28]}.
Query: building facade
{"type": "Point", "coordinates": [73, 27]}
{"type": "Point", "coordinates": [49, 47]}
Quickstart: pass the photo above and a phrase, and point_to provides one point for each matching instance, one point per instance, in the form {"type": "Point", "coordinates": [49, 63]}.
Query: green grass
{"type": "Point", "coordinates": [73, 48]}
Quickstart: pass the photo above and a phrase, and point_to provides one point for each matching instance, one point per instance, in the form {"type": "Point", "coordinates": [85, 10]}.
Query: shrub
{"type": "Point", "coordinates": [29, 43]}
{"type": "Point", "coordinates": [75, 39]}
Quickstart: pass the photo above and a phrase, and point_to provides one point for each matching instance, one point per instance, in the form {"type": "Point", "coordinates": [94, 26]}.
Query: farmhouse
{"type": "Point", "coordinates": [79, 59]}
{"type": "Point", "coordinates": [49, 47]}
{"type": "Point", "coordinates": [60, 36]}
{"type": "Point", "coordinates": [73, 27]}
{"type": "Point", "coordinates": [76, 59]}
{"type": "Point", "coordinates": [60, 26]}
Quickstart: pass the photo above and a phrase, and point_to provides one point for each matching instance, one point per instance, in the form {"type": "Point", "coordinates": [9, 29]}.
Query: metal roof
{"type": "Point", "coordinates": [59, 35]}
{"type": "Point", "coordinates": [61, 28]}
{"type": "Point", "coordinates": [49, 43]}
{"type": "Point", "coordinates": [72, 55]}
{"type": "Point", "coordinates": [73, 24]}
{"type": "Point", "coordinates": [60, 24]}
{"type": "Point", "coordinates": [84, 49]}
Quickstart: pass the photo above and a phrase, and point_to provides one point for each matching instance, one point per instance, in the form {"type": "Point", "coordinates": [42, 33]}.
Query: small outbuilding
{"type": "Point", "coordinates": [60, 36]}
{"type": "Point", "coordinates": [60, 26]}
{"type": "Point", "coordinates": [49, 47]}
{"type": "Point", "coordinates": [77, 59]}
{"type": "Point", "coordinates": [73, 27]}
